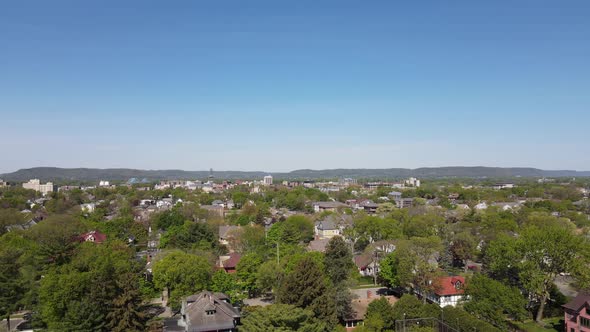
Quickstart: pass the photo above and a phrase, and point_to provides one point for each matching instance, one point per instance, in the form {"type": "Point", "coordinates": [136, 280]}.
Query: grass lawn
{"type": "Point", "coordinates": [549, 324]}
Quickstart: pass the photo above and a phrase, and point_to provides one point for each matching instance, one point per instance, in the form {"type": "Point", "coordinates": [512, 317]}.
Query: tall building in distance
{"type": "Point", "coordinates": [413, 182]}
{"type": "Point", "coordinates": [35, 184]}
{"type": "Point", "coordinates": [267, 181]}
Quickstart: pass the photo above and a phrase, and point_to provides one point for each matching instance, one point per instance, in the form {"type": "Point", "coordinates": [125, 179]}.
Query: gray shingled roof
{"type": "Point", "coordinates": [224, 316]}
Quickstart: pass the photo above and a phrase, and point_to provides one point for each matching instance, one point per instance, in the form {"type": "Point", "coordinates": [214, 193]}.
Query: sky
{"type": "Point", "coordinates": [285, 85]}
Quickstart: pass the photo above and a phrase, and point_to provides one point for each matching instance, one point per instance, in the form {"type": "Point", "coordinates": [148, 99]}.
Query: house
{"type": "Point", "coordinates": [359, 310]}
{"type": "Point", "coordinates": [499, 186]}
{"type": "Point", "coordinates": [318, 245]}
{"type": "Point", "coordinates": [205, 312]}
{"type": "Point", "coordinates": [395, 195]}
{"type": "Point", "coordinates": [481, 206]}
{"type": "Point", "coordinates": [21, 227]}
{"type": "Point", "coordinates": [327, 206]}
{"type": "Point", "coordinates": [463, 207]}
{"type": "Point", "coordinates": [404, 202]}
{"type": "Point", "coordinates": [88, 207]}
{"type": "Point", "coordinates": [214, 210]}
{"type": "Point", "coordinates": [93, 236]}
{"type": "Point", "coordinates": [332, 225]}
{"type": "Point", "coordinates": [164, 203]}
{"type": "Point", "coordinates": [453, 196]}
{"type": "Point", "coordinates": [369, 206]}
{"type": "Point", "coordinates": [217, 202]}
{"type": "Point", "coordinates": [507, 206]}
{"type": "Point", "coordinates": [366, 265]}
{"type": "Point", "coordinates": [230, 263]}
{"type": "Point", "coordinates": [449, 291]}
{"type": "Point", "coordinates": [326, 229]}
{"type": "Point", "coordinates": [226, 233]}
{"type": "Point", "coordinates": [577, 313]}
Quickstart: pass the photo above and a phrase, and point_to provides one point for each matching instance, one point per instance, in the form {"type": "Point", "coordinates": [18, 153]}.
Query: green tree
{"type": "Point", "coordinates": [182, 274]}
{"type": "Point", "coordinates": [548, 252]}
{"type": "Point", "coordinates": [463, 247]}
{"type": "Point", "coordinates": [282, 317]}
{"type": "Point", "coordinates": [492, 301]}
{"type": "Point", "coordinates": [338, 260]}
{"type": "Point", "coordinates": [11, 285]}
{"type": "Point", "coordinates": [269, 276]}
{"type": "Point", "coordinates": [380, 315]}
{"type": "Point", "coordinates": [169, 218]}
{"type": "Point", "coordinates": [190, 235]}
{"type": "Point", "coordinates": [55, 238]}
{"type": "Point", "coordinates": [414, 264]}
{"type": "Point", "coordinates": [293, 230]}
{"type": "Point", "coordinates": [125, 314]}
{"type": "Point", "coordinates": [306, 287]}
{"type": "Point", "coordinates": [80, 294]}
{"type": "Point", "coordinates": [227, 283]}
{"type": "Point", "coordinates": [388, 270]}
{"type": "Point", "coordinates": [247, 272]}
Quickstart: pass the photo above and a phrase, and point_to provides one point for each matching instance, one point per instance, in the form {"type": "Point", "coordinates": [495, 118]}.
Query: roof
{"type": "Point", "coordinates": [370, 205]}
{"type": "Point", "coordinates": [326, 224]}
{"type": "Point", "coordinates": [225, 229]}
{"type": "Point", "coordinates": [448, 285]}
{"type": "Point", "coordinates": [318, 245]}
{"type": "Point", "coordinates": [578, 302]}
{"type": "Point", "coordinates": [362, 261]}
{"type": "Point", "coordinates": [93, 236]}
{"type": "Point", "coordinates": [329, 205]}
{"type": "Point", "coordinates": [222, 318]}
{"type": "Point", "coordinates": [359, 307]}
{"type": "Point", "coordinates": [232, 261]}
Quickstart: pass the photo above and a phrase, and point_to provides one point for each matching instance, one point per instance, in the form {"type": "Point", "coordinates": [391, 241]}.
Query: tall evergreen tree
{"type": "Point", "coordinates": [305, 287]}
{"type": "Point", "coordinates": [125, 314]}
{"type": "Point", "coordinates": [338, 260]}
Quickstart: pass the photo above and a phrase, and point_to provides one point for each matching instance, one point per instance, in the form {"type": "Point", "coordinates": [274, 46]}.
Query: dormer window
{"type": "Point", "coordinates": [210, 312]}
{"type": "Point", "coordinates": [458, 285]}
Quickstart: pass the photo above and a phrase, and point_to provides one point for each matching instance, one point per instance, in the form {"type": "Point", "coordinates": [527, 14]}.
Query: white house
{"type": "Point", "coordinates": [481, 206]}
{"type": "Point", "coordinates": [449, 291]}
{"type": "Point", "coordinates": [326, 229]}
{"type": "Point", "coordinates": [88, 207]}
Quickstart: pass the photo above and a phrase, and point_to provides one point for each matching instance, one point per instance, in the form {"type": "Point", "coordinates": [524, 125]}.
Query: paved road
{"type": "Point", "coordinates": [13, 323]}
{"type": "Point", "coordinates": [364, 292]}
{"type": "Point", "coordinates": [563, 283]}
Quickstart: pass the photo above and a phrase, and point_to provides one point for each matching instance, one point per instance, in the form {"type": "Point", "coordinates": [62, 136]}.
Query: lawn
{"type": "Point", "coordinates": [549, 324]}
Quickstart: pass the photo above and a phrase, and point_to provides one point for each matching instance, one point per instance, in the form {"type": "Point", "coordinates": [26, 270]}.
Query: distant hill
{"type": "Point", "coordinates": [123, 174]}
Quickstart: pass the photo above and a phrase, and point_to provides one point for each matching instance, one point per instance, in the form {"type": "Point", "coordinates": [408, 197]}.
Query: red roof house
{"type": "Point", "coordinates": [449, 291]}
{"type": "Point", "coordinates": [230, 264]}
{"type": "Point", "coordinates": [93, 236]}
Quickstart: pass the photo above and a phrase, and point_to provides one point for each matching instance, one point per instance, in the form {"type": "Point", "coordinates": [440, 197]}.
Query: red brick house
{"type": "Point", "coordinates": [577, 313]}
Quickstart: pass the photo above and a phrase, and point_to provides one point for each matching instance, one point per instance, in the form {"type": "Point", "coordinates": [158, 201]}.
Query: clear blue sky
{"type": "Point", "coordinates": [282, 85]}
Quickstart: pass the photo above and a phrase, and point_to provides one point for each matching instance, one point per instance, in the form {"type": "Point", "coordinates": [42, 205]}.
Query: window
{"type": "Point", "coordinates": [585, 322]}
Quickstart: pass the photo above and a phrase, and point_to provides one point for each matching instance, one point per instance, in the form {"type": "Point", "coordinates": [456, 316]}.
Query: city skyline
{"type": "Point", "coordinates": [283, 86]}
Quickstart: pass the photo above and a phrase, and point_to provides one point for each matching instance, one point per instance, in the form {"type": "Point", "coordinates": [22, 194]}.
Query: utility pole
{"type": "Point", "coordinates": [375, 260]}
